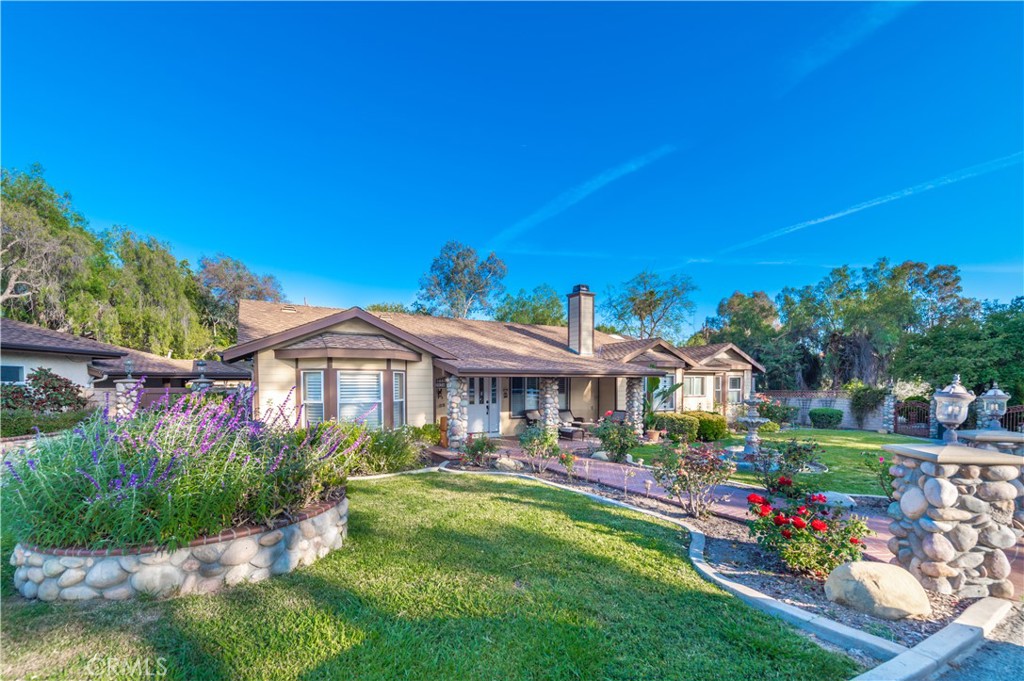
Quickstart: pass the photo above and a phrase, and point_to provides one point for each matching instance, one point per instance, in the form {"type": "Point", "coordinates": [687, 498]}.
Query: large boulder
{"type": "Point", "coordinates": [505, 463]}
{"type": "Point", "coordinates": [880, 589]}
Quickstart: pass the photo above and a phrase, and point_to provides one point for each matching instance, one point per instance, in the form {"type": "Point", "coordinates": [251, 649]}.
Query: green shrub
{"type": "Point", "coordinates": [775, 410]}
{"type": "Point", "coordinates": [769, 428]}
{"type": "Point", "coordinates": [429, 433]}
{"type": "Point", "coordinates": [389, 451]}
{"type": "Point", "coordinates": [680, 427]}
{"type": "Point", "coordinates": [44, 392]}
{"type": "Point", "coordinates": [806, 535]}
{"type": "Point", "coordinates": [711, 427]}
{"type": "Point", "coordinates": [879, 469]}
{"type": "Point", "coordinates": [616, 438]}
{"type": "Point", "coordinates": [778, 464]}
{"type": "Point", "coordinates": [864, 399]}
{"type": "Point", "coordinates": [16, 422]}
{"type": "Point", "coordinates": [168, 476]}
{"type": "Point", "coordinates": [825, 418]}
{"type": "Point", "coordinates": [691, 476]}
{"type": "Point", "coordinates": [477, 448]}
{"type": "Point", "coordinates": [541, 445]}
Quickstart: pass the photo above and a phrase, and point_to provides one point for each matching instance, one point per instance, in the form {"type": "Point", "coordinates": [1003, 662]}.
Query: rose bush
{"type": "Point", "coordinates": [692, 474]}
{"type": "Point", "coordinates": [808, 536]}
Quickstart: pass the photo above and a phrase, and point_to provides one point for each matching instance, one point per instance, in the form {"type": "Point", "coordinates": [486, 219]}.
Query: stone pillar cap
{"type": "Point", "coordinates": [958, 454]}
{"type": "Point", "coordinates": [1007, 436]}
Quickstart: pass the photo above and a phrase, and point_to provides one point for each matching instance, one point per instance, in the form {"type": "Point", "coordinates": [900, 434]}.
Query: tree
{"type": "Point", "coordinates": [459, 284]}
{"type": "Point", "coordinates": [399, 308]}
{"type": "Point", "coordinates": [611, 329]}
{"type": "Point", "coordinates": [542, 306]}
{"type": "Point", "coordinates": [224, 281]}
{"type": "Point", "coordinates": [649, 306]}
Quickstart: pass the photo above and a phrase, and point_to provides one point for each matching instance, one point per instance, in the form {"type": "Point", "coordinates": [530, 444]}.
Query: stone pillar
{"type": "Point", "coordinates": [933, 421]}
{"type": "Point", "coordinates": [889, 412]}
{"type": "Point", "coordinates": [635, 404]}
{"type": "Point", "coordinates": [953, 518]}
{"type": "Point", "coordinates": [127, 392]}
{"type": "Point", "coordinates": [549, 403]}
{"type": "Point", "coordinates": [458, 411]}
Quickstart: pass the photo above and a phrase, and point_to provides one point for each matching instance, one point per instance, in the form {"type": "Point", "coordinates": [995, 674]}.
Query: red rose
{"type": "Point", "coordinates": [785, 482]}
{"type": "Point", "coordinates": [764, 509]}
{"type": "Point", "coordinates": [787, 533]}
{"type": "Point", "coordinates": [802, 510]}
{"type": "Point", "coordinates": [818, 525]}
{"type": "Point", "coordinates": [799, 523]}
{"type": "Point", "coordinates": [854, 540]}
{"type": "Point", "coordinates": [608, 413]}
{"type": "Point", "coordinates": [756, 499]}
{"type": "Point", "coordinates": [780, 520]}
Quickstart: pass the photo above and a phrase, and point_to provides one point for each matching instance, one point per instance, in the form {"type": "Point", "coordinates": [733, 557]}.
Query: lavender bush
{"type": "Point", "coordinates": [167, 475]}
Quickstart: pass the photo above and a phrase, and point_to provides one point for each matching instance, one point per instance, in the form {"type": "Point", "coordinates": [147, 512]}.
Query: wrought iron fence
{"type": "Point", "coordinates": [911, 418]}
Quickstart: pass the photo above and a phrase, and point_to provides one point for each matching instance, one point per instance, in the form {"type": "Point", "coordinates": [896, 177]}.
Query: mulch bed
{"type": "Point", "coordinates": [736, 555]}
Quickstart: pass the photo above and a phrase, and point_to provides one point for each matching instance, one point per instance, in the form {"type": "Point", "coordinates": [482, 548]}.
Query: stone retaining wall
{"type": "Point", "coordinates": [805, 400]}
{"type": "Point", "coordinates": [208, 564]}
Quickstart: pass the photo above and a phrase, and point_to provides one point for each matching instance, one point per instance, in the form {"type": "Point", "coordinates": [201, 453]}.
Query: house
{"type": "Point", "coordinates": [392, 369]}
{"type": "Point", "coordinates": [94, 365]}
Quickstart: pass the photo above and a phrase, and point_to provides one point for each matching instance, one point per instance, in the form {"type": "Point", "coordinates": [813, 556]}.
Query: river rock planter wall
{"type": "Point", "coordinates": [208, 564]}
{"type": "Point", "coordinates": [953, 518]}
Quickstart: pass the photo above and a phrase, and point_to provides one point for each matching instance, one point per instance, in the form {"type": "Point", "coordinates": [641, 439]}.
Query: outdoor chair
{"type": "Point", "coordinates": [566, 416]}
{"type": "Point", "coordinates": [532, 417]}
{"type": "Point", "coordinates": [618, 416]}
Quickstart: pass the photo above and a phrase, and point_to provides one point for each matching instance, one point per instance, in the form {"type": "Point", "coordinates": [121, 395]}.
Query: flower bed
{"type": "Point", "coordinates": [164, 482]}
{"type": "Point", "coordinates": [207, 564]}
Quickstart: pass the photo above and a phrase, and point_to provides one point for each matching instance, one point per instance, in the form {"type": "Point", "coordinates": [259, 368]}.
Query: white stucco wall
{"type": "Point", "coordinates": [71, 367]}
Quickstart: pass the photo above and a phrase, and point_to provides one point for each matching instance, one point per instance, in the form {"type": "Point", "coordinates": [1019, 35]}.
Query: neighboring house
{"type": "Point", "coordinates": [485, 376]}
{"type": "Point", "coordinates": [94, 365]}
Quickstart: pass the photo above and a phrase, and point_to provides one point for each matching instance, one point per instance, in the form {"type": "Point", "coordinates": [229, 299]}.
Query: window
{"type": "Point", "coordinates": [313, 396]}
{"type": "Point", "coordinates": [718, 389]}
{"type": "Point", "coordinates": [656, 385]}
{"type": "Point", "coordinates": [693, 386]}
{"type": "Point", "coordinates": [10, 373]}
{"type": "Point", "coordinates": [398, 397]}
{"type": "Point", "coordinates": [735, 389]}
{"type": "Point", "coordinates": [361, 397]}
{"type": "Point", "coordinates": [525, 395]}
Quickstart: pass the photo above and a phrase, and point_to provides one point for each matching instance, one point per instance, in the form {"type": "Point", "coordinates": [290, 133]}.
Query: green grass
{"type": "Point", "coordinates": [443, 577]}
{"type": "Point", "coordinates": [842, 455]}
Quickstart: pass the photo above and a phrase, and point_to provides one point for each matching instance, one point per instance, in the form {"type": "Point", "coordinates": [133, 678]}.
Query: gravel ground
{"type": "Point", "coordinates": [1001, 658]}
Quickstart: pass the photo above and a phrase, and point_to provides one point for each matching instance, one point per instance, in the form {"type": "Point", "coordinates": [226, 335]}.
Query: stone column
{"type": "Point", "coordinates": [933, 421]}
{"type": "Point", "coordinates": [889, 412]}
{"type": "Point", "coordinates": [635, 404]}
{"type": "Point", "coordinates": [549, 403]}
{"type": "Point", "coordinates": [952, 520]}
{"type": "Point", "coordinates": [127, 392]}
{"type": "Point", "coordinates": [458, 411]}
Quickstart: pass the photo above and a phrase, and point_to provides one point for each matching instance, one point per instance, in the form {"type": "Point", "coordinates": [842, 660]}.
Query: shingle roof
{"type": "Point", "coordinates": [702, 352]}
{"type": "Point", "coordinates": [257, 318]}
{"type": "Point", "coordinates": [346, 341]}
{"type": "Point", "coordinates": [148, 364]}
{"type": "Point", "coordinates": [15, 335]}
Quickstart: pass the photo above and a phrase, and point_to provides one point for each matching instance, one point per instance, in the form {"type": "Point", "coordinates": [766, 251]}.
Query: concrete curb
{"type": "Point", "coordinates": [381, 476]}
{"type": "Point", "coordinates": [958, 638]}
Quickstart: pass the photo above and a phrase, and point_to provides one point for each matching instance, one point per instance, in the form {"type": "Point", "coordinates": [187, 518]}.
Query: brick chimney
{"type": "Point", "coordinates": [581, 320]}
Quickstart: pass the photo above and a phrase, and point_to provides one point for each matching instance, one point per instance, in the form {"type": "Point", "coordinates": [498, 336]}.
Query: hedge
{"type": "Point", "coordinates": [711, 426]}
{"type": "Point", "coordinates": [825, 418]}
{"type": "Point", "coordinates": [15, 422]}
{"type": "Point", "coordinates": [683, 426]}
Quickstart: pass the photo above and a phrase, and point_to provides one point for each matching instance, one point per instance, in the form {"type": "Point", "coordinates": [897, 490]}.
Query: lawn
{"type": "Point", "coordinates": [443, 577]}
{"type": "Point", "coordinates": [842, 455]}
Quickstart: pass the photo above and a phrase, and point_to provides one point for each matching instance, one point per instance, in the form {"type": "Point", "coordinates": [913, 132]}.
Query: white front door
{"type": "Point", "coordinates": [484, 405]}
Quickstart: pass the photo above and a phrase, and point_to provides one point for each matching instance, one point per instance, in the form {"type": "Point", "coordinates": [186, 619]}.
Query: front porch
{"type": "Point", "coordinates": [504, 406]}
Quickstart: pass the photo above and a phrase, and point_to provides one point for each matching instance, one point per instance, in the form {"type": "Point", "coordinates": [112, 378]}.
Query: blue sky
{"type": "Point", "coordinates": [337, 146]}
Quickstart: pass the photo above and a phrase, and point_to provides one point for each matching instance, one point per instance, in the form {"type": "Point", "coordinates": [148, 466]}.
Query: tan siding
{"type": "Point", "coordinates": [420, 391]}
{"type": "Point", "coordinates": [276, 379]}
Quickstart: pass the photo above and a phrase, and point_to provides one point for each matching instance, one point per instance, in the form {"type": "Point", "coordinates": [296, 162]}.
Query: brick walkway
{"type": "Point", "coordinates": [732, 502]}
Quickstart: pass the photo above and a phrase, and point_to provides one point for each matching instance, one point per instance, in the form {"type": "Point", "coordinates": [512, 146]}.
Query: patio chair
{"type": "Point", "coordinates": [566, 416]}
{"type": "Point", "coordinates": [618, 416]}
{"type": "Point", "coordinates": [532, 417]}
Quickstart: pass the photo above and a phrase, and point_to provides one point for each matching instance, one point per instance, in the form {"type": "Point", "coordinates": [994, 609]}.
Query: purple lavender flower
{"type": "Point", "coordinates": [10, 467]}
{"type": "Point", "coordinates": [152, 470]}
{"type": "Point", "coordinates": [133, 480]}
{"type": "Point", "coordinates": [32, 465]}
{"type": "Point", "coordinates": [277, 461]}
{"type": "Point", "coordinates": [90, 479]}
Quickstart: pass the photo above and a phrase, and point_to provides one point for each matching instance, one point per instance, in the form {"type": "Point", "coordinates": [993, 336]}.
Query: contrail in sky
{"type": "Point", "coordinates": [958, 176]}
{"type": "Point", "coordinates": [577, 194]}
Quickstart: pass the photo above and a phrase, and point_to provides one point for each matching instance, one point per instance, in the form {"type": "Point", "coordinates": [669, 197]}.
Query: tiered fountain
{"type": "Point", "coordinates": [752, 421]}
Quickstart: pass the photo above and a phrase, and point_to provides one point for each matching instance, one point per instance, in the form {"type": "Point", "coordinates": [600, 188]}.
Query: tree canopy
{"type": "Point", "coordinates": [459, 284]}
{"type": "Point", "coordinates": [649, 305]}
{"type": "Point", "coordinates": [118, 287]}
{"type": "Point", "coordinates": [541, 306]}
